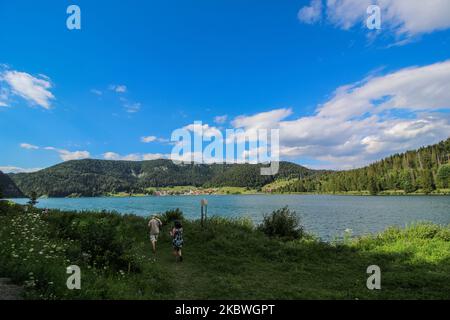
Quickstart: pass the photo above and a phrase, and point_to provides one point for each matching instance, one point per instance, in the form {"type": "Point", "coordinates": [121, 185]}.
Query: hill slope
{"type": "Point", "coordinates": [8, 188]}
{"type": "Point", "coordinates": [97, 177]}
{"type": "Point", "coordinates": [427, 169]}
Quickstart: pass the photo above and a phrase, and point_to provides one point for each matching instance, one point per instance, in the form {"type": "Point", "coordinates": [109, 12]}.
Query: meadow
{"type": "Point", "coordinates": [227, 259]}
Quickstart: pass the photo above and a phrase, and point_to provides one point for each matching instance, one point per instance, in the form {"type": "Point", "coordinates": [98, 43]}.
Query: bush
{"type": "Point", "coordinates": [9, 208]}
{"type": "Point", "coordinates": [282, 223]}
{"type": "Point", "coordinates": [103, 239]}
{"type": "Point", "coordinates": [422, 231]}
{"type": "Point", "coordinates": [172, 215]}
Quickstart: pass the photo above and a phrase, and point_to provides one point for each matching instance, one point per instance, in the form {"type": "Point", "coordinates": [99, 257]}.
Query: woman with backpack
{"type": "Point", "coordinates": [177, 240]}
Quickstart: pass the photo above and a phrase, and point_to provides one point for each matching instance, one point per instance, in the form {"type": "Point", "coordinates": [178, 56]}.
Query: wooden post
{"type": "Point", "coordinates": [201, 220]}
{"type": "Point", "coordinates": [204, 206]}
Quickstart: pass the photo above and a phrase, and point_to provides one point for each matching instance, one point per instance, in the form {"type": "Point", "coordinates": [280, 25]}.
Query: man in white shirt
{"type": "Point", "coordinates": [154, 225]}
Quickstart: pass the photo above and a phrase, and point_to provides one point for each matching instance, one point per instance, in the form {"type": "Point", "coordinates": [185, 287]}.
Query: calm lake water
{"type": "Point", "coordinates": [324, 215]}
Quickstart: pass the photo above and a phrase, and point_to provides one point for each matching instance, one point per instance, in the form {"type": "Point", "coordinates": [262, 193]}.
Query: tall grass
{"type": "Point", "coordinates": [224, 259]}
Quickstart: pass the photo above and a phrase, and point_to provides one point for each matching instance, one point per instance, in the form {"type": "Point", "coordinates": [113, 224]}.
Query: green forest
{"type": "Point", "coordinates": [424, 170]}
{"type": "Point", "coordinates": [100, 177]}
{"type": "Point", "coordinates": [420, 171]}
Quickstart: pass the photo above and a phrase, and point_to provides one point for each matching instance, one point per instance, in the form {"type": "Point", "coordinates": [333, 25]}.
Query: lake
{"type": "Point", "coordinates": [324, 215]}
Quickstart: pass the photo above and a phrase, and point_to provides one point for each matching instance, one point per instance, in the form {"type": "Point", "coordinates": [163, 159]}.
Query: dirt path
{"type": "Point", "coordinates": [9, 291]}
{"type": "Point", "coordinates": [185, 275]}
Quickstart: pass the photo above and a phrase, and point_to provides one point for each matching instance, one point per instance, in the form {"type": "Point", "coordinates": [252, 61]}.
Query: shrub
{"type": "Point", "coordinates": [422, 231]}
{"type": "Point", "coordinates": [9, 208]}
{"type": "Point", "coordinates": [282, 223]}
{"type": "Point", "coordinates": [172, 215]}
{"type": "Point", "coordinates": [102, 239]}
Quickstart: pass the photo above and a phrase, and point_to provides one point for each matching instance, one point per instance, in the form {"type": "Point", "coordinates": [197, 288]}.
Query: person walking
{"type": "Point", "coordinates": [177, 240]}
{"type": "Point", "coordinates": [154, 225]}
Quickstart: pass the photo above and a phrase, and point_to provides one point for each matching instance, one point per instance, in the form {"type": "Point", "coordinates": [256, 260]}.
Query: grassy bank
{"type": "Point", "coordinates": [229, 259]}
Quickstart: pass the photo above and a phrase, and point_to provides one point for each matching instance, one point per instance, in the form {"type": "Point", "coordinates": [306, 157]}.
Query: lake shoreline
{"type": "Point", "coordinates": [324, 215]}
{"type": "Point", "coordinates": [344, 194]}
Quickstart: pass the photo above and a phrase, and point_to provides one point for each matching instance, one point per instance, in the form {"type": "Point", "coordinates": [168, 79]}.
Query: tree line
{"type": "Point", "coordinates": [99, 177]}
{"type": "Point", "coordinates": [425, 169]}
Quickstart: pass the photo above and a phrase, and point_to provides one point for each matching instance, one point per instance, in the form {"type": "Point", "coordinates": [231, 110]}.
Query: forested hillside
{"type": "Point", "coordinates": [421, 170]}
{"type": "Point", "coordinates": [249, 175]}
{"type": "Point", "coordinates": [425, 169]}
{"type": "Point", "coordinates": [98, 177]}
{"type": "Point", "coordinates": [8, 189]}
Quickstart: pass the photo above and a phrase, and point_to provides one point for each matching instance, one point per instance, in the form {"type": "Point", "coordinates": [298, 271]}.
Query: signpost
{"type": "Point", "coordinates": [204, 205]}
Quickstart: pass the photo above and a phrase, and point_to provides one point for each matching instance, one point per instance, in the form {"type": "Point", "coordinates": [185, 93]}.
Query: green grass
{"type": "Point", "coordinates": [229, 259]}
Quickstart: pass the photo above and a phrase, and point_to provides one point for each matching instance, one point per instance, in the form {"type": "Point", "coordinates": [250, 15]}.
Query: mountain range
{"type": "Point", "coordinates": [425, 169]}
{"type": "Point", "coordinates": [98, 177]}
{"type": "Point", "coordinates": [8, 188]}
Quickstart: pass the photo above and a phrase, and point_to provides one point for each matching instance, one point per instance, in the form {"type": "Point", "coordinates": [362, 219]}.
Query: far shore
{"type": "Point", "coordinates": [175, 192]}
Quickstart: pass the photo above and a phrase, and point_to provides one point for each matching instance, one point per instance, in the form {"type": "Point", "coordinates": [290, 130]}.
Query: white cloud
{"type": "Point", "coordinates": [97, 92]}
{"type": "Point", "coordinates": [405, 18]}
{"type": "Point", "coordinates": [67, 155]}
{"type": "Point", "coordinates": [153, 156]}
{"type": "Point", "coordinates": [312, 13]}
{"type": "Point", "coordinates": [28, 146]}
{"type": "Point", "coordinates": [133, 156]}
{"type": "Point", "coordinates": [148, 139]}
{"type": "Point", "coordinates": [221, 119]}
{"type": "Point", "coordinates": [369, 120]}
{"type": "Point", "coordinates": [118, 88]}
{"type": "Point", "coordinates": [417, 88]}
{"type": "Point", "coordinates": [204, 129]}
{"type": "Point", "coordinates": [34, 90]}
{"type": "Point", "coordinates": [132, 107]}
{"type": "Point", "coordinates": [264, 120]}
{"type": "Point", "coordinates": [12, 169]}
{"type": "Point", "coordinates": [4, 96]}
{"type": "Point", "coordinates": [111, 156]}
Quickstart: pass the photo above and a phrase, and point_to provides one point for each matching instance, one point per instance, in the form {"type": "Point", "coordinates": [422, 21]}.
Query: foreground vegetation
{"type": "Point", "coordinates": [228, 259]}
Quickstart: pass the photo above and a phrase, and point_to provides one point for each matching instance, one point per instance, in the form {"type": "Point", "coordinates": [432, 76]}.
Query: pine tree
{"type": "Point", "coordinates": [373, 186]}
{"type": "Point", "coordinates": [427, 181]}
{"type": "Point", "coordinates": [33, 200]}
{"type": "Point", "coordinates": [407, 182]}
{"type": "Point", "coordinates": [444, 175]}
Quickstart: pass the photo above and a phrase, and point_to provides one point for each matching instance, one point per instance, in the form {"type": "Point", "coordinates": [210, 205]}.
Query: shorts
{"type": "Point", "coordinates": [153, 237]}
{"type": "Point", "coordinates": [177, 245]}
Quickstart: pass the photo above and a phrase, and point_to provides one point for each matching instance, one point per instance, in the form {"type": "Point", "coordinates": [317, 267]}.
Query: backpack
{"type": "Point", "coordinates": [178, 238]}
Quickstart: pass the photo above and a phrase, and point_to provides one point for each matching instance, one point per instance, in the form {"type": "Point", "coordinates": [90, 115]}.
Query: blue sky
{"type": "Point", "coordinates": [144, 68]}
